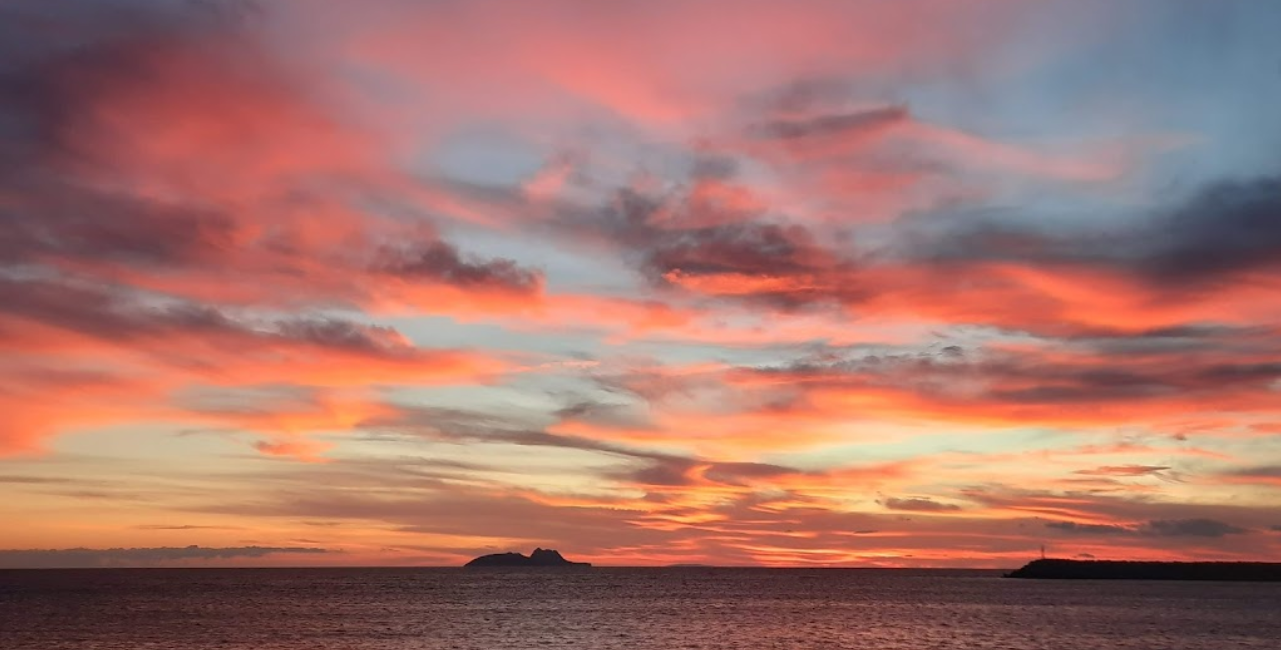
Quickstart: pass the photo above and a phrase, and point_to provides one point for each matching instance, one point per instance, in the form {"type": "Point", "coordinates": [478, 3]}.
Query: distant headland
{"type": "Point", "coordinates": [539, 558]}
{"type": "Point", "coordinates": [1118, 570]}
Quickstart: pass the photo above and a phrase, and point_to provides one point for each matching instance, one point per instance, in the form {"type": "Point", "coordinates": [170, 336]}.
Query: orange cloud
{"type": "Point", "coordinates": [765, 312]}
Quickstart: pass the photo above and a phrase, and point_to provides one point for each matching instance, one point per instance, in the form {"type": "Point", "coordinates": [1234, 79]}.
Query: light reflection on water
{"type": "Point", "coordinates": [615, 609]}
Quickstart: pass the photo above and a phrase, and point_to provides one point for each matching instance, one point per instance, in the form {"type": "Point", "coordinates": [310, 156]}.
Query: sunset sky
{"type": "Point", "coordinates": [740, 282]}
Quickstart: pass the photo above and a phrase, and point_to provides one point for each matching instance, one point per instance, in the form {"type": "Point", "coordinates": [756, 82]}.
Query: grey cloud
{"type": "Point", "coordinates": [1264, 473]}
{"type": "Point", "coordinates": [1029, 377]}
{"type": "Point", "coordinates": [650, 467]}
{"type": "Point", "coordinates": [440, 261]}
{"type": "Point", "coordinates": [1154, 528]}
{"type": "Point", "coordinates": [663, 470]}
{"type": "Point", "coordinates": [32, 480]}
{"type": "Point", "coordinates": [1226, 227]}
{"type": "Point", "coordinates": [731, 471]}
{"type": "Point", "coordinates": [123, 316]}
{"type": "Point", "coordinates": [1113, 506]}
{"type": "Point", "coordinates": [1124, 470]}
{"type": "Point", "coordinates": [1189, 528]}
{"type": "Point", "coordinates": [831, 124]}
{"type": "Point", "coordinates": [917, 504]}
{"type": "Point", "coordinates": [802, 96]}
{"type": "Point", "coordinates": [714, 166]}
{"type": "Point", "coordinates": [1073, 527]}
{"type": "Point", "coordinates": [641, 226]}
{"type": "Point", "coordinates": [341, 334]}
{"type": "Point", "coordinates": [1210, 235]}
{"type": "Point", "coordinates": [457, 425]}
{"type": "Point", "coordinates": [82, 224]}
{"type": "Point", "coordinates": [642, 468]}
{"type": "Point", "coordinates": [127, 557]}
{"type": "Point", "coordinates": [1268, 471]}
{"type": "Point", "coordinates": [1181, 339]}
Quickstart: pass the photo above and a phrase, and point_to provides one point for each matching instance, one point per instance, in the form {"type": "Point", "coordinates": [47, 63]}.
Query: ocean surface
{"type": "Point", "coordinates": [608, 609]}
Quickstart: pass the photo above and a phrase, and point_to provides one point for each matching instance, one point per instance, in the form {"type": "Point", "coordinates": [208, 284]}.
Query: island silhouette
{"type": "Point", "coordinates": [540, 558]}
{"type": "Point", "coordinates": [1122, 570]}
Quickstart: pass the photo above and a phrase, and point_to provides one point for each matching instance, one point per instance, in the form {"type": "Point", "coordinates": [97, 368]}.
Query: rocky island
{"type": "Point", "coordinates": [540, 558]}
{"type": "Point", "coordinates": [1116, 570]}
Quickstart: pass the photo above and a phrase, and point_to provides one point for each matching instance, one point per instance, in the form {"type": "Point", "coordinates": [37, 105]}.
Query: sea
{"type": "Point", "coordinates": [622, 609]}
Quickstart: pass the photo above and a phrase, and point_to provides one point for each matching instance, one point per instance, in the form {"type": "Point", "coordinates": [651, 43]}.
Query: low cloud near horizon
{"type": "Point", "coordinates": [102, 558]}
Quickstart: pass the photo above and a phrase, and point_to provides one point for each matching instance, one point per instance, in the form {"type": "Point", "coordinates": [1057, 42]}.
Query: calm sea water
{"type": "Point", "coordinates": [607, 609]}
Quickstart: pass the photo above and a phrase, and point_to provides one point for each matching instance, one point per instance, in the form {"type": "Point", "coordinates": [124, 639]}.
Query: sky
{"type": "Point", "coordinates": [735, 282]}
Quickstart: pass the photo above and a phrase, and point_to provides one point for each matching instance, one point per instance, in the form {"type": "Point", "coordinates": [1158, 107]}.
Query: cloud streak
{"type": "Point", "coordinates": [1154, 528]}
{"type": "Point", "coordinates": [89, 558]}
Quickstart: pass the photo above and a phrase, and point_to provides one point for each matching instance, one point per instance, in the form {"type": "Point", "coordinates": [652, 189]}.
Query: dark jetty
{"type": "Point", "coordinates": [539, 558]}
{"type": "Point", "coordinates": [1113, 570]}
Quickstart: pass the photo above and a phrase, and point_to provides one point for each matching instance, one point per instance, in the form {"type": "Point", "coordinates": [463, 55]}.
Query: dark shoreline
{"type": "Point", "coordinates": [1121, 570]}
